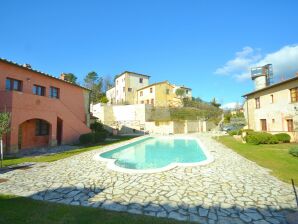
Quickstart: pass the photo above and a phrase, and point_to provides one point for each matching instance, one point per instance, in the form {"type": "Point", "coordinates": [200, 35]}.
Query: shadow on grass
{"type": "Point", "coordinates": [73, 203]}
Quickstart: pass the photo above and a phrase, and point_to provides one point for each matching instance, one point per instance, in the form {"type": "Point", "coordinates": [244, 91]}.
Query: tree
{"type": "Point", "coordinates": [214, 103]}
{"type": "Point", "coordinates": [94, 83]}
{"type": "Point", "coordinates": [180, 92]}
{"type": "Point", "coordinates": [4, 129]}
{"type": "Point", "coordinates": [70, 77]}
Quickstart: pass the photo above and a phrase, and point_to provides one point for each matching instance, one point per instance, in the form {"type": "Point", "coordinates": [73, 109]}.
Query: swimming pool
{"type": "Point", "coordinates": [156, 154]}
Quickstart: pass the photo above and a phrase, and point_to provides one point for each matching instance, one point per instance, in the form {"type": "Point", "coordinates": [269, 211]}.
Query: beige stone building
{"type": "Point", "coordinates": [160, 94]}
{"type": "Point", "coordinates": [126, 86]}
{"type": "Point", "coordinates": [274, 108]}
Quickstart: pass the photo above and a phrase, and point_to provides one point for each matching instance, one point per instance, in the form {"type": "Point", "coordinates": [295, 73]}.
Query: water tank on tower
{"type": "Point", "coordinates": [262, 76]}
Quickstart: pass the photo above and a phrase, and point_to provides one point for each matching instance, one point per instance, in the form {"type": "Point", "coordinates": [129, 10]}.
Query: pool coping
{"type": "Point", "coordinates": [110, 163]}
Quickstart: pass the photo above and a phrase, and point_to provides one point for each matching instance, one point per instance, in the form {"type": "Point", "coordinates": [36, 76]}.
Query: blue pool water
{"type": "Point", "coordinates": [153, 153]}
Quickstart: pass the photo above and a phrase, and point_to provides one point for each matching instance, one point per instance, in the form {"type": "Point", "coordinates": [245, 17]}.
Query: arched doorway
{"type": "Point", "coordinates": [34, 133]}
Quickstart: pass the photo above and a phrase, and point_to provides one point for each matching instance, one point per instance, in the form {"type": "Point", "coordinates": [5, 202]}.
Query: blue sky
{"type": "Point", "coordinates": [206, 45]}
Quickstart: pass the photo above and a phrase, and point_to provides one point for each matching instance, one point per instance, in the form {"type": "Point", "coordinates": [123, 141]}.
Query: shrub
{"type": "Point", "coordinates": [248, 131]}
{"type": "Point", "coordinates": [86, 138]}
{"type": "Point", "coordinates": [96, 127]}
{"type": "Point", "coordinates": [294, 151]}
{"type": "Point", "coordinates": [283, 137]}
{"type": "Point", "coordinates": [234, 132]}
{"type": "Point", "coordinates": [99, 136]}
{"type": "Point", "coordinates": [257, 138]}
{"type": "Point", "coordinates": [93, 137]}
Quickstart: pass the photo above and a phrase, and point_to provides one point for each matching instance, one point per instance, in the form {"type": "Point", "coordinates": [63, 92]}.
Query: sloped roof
{"type": "Point", "coordinates": [134, 73]}
{"type": "Point", "coordinates": [271, 86]}
{"type": "Point", "coordinates": [40, 72]}
{"type": "Point", "coordinates": [157, 83]}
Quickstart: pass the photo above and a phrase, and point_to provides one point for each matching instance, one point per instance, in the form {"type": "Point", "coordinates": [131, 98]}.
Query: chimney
{"type": "Point", "coordinates": [27, 66]}
{"type": "Point", "coordinates": [62, 77]}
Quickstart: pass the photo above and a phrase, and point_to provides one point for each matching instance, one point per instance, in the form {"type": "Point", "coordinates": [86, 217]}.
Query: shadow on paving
{"type": "Point", "coordinates": [94, 197]}
{"type": "Point", "coordinates": [16, 167]}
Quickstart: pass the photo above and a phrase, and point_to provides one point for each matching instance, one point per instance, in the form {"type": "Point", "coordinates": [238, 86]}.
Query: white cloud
{"type": "Point", "coordinates": [241, 62]}
{"type": "Point", "coordinates": [284, 62]}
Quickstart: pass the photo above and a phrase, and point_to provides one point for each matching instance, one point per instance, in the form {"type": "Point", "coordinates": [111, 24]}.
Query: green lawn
{"type": "Point", "coordinates": [24, 210]}
{"type": "Point", "coordinates": [50, 158]}
{"type": "Point", "coordinates": [274, 157]}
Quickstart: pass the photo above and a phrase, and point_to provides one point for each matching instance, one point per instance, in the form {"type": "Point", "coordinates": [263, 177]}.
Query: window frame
{"type": "Point", "coordinates": [290, 128]}
{"type": "Point", "coordinates": [141, 80]}
{"type": "Point", "coordinates": [129, 89]}
{"type": "Point", "coordinates": [12, 83]}
{"type": "Point", "coordinates": [51, 92]}
{"type": "Point", "coordinates": [141, 93]}
{"type": "Point", "coordinates": [257, 103]}
{"type": "Point", "coordinates": [42, 90]}
{"type": "Point", "coordinates": [42, 128]}
{"type": "Point", "coordinates": [272, 98]}
{"type": "Point", "coordinates": [294, 97]}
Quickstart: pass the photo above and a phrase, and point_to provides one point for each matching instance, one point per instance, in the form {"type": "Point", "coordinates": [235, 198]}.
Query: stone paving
{"type": "Point", "coordinates": [229, 190]}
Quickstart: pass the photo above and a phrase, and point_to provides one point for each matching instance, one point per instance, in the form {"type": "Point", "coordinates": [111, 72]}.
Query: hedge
{"type": "Point", "coordinates": [93, 137]}
{"type": "Point", "coordinates": [257, 138]}
{"type": "Point", "coordinates": [283, 137]}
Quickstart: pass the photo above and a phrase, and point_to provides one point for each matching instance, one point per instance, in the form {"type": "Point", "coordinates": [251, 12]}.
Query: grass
{"type": "Point", "coordinates": [24, 210]}
{"type": "Point", "coordinates": [274, 157]}
{"type": "Point", "coordinates": [9, 161]}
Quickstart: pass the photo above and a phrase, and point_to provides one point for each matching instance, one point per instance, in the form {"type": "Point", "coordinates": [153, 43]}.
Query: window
{"type": "Point", "coordinates": [13, 84]}
{"type": "Point", "coordinates": [151, 90]}
{"type": "Point", "coordinates": [117, 82]}
{"type": "Point", "coordinates": [141, 80]}
{"type": "Point", "coordinates": [263, 125]}
{"type": "Point", "coordinates": [186, 91]}
{"type": "Point", "coordinates": [167, 91]}
{"type": "Point", "coordinates": [142, 102]}
{"type": "Point", "coordinates": [42, 128]}
{"type": "Point", "coordinates": [54, 92]}
{"type": "Point", "coordinates": [152, 101]}
{"type": "Point", "coordinates": [147, 101]}
{"type": "Point", "coordinates": [129, 89]}
{"type": "Point", "coordinates": [294, 95]}
{"type": "Point", "coordinates": [141, 93]}
{"type": "Point", "coordinates": [38, 90]}
{"type": "Point", "coordinates": [290, 125]}
{"type": "Point", "coordinates": [257, 102]}
{"type": "Point", "coordinates": [273, 121]}
{"type": "Point", "coordinates": [272, 98]}
{"type": "Point", "coordinates": [123, 89]}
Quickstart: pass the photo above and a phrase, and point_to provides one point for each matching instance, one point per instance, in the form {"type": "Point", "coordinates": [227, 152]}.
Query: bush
{"type": "Point", "coordinates": [86, 138]}
{"type": "Point", "coordinates": [257, 138]}
{"type": "Point", "coordinates": [234, 132]}
{"type": "Point", "coordinates": [283, 137]}
{"type": "Point", "coordinates": [248, 131]}
{"type": "Point", "coordinates": [97, 127]}
{"type": "Point", "coordinates": [99, 136]}
{"type": "Point", "coordinates": [93, 137]}
{"type": "Point", "coordinates": [294, 151]}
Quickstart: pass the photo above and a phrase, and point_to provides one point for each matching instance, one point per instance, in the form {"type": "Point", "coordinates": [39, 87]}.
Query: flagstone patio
{"type": "Point", "coordinates": [229, 190]}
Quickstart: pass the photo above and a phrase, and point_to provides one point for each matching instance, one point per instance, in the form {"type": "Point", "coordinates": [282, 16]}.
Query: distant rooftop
{"type": "Point", "coordinates": [134, 73]}
{"type": "Point", "coordinates": [28, 67]}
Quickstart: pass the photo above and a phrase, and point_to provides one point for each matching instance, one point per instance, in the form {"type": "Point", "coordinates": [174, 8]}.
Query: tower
{"type": "Point", "coordinates": [262, 76]}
